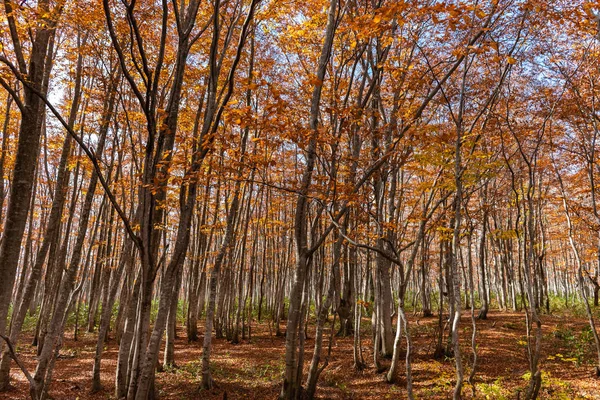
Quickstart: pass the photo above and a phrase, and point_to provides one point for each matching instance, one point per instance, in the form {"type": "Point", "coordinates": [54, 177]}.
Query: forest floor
{"type": "Point", "coordinates": [253, 369]}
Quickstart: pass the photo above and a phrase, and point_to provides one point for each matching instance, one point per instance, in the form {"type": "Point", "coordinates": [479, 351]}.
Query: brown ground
{"type": "Point", "coordinates": [253, 369]}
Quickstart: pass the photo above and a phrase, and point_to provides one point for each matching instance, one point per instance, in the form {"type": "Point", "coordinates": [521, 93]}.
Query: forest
{"type": "Point", "coordinates": [299, 199]}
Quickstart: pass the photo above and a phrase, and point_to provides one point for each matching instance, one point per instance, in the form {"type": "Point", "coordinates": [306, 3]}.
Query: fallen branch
{"type": "Point", "coordinates": [13, 355]}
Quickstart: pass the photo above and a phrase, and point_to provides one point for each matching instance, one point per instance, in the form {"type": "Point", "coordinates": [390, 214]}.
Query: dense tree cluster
{"type": "Point", "coordinates": [293, 163]}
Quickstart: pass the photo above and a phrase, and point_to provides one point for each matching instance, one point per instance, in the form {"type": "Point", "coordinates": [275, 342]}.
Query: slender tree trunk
{"type": "Point", "coordinates": [126, 258]}
{"type": "Point", "coordinates": [482, 270]}
{"type": "Point", "coordinates": [26, 156]}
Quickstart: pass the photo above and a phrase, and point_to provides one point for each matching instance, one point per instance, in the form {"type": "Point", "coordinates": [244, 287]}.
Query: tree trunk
{"type": "Point", "coordinates": [28, 148]}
